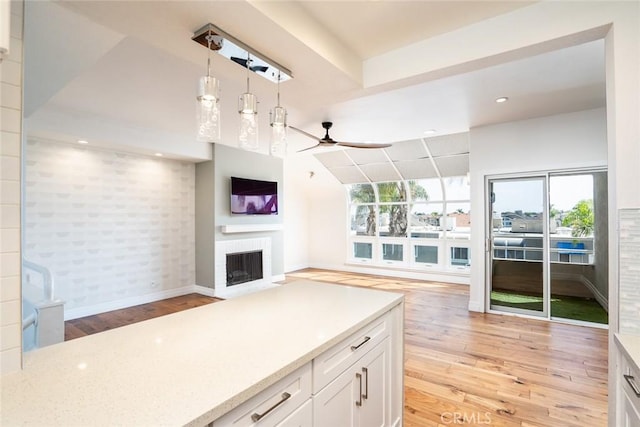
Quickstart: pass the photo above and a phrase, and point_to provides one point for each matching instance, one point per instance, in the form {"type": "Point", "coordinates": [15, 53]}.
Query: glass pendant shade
{"type": "Point", "coordinates": [208, 110]}
{"type": "Point", "coordinates": [248, 109]}
{"type": "Point", "coordinates": [278, 119]}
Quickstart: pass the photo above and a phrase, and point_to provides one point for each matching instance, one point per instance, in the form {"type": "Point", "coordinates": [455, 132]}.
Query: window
{"type": "Point", "coordinates": [391, 192]}
{"type": "Point", "coordinates": [392, 252]}
{"type": "Point", "coordinates": [363, 220]}
{"type": "Point", "coordinates": [361, 193]}
{"type": "Point", "coordinates": [426, 254]}
{"type": "Point", "coordinates": [362, 250]}
{"type": "Point", "coordinates": [393, 220]}
{"type": "Point", "coordinates": [426, 220]}
{"type": "Point", "coordinates": [460, 256]}
{"type": "Point", "coordinates": [411, 224]}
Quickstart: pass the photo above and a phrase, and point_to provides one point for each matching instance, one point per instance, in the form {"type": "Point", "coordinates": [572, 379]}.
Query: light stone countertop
{"type": "Point", "coordinates": [630, 346]}
{"type": "Point", "coordinates": [186, 368]}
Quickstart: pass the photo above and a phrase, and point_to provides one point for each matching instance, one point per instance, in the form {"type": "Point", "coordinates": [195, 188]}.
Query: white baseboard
{"type": "Point", "coordinates": [604, 301]}
{"type": "Point", "coordinates": [238, 291]}
{"type": "Point", "coordinates": [477, 306]}
{"type": "Point", "coordinates": [75, 313]}
{"type": "Point", "coordinates": [297, 267]}
{"type": "Point", "coordinates": [436, 276]}
{"type": "Point", "coordinates": [204, 290]}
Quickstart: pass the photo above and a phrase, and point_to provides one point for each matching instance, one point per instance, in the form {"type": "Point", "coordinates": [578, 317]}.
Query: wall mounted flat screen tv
{"type": "Point", "coordinates": [253, 197]}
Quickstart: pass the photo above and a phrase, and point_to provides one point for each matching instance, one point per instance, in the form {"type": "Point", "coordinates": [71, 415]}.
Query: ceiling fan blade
{"type": "Point", "coordinates": [328, 142]}
{"type": "Point", "coordinates": [306, 133]}
{"type": "Point", "coordinates": [363, 145]}
{"type": "Point", "coordinates": [310, 148]}
{"type": "Point", "coordinates": [240, 61]}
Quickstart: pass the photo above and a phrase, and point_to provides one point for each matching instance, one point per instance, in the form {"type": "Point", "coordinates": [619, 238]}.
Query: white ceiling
{"type": "Point", "coordinates": [124, 74]}
{"type": "Point", "coordinates": [377, 27]}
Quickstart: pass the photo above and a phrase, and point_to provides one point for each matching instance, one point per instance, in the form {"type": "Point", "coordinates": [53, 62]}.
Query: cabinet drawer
{"type": "Point", "coordinates": [334, 361]}
{"type": "Point", "coordinates": [301, 417]}
{"type": "Point", "coordinates": [273, 405]}
{"type": "Point", "coordinates": [631, 384]}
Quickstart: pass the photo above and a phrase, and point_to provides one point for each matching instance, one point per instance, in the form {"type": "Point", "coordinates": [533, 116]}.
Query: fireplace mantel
{"type": "Point", "coordinates": [249, 228]}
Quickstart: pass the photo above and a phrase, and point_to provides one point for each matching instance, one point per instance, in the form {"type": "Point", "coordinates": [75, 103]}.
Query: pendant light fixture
{"type": "Point", "coordinates": [208, 112]}
{"type": "Point", "coordinates": [208, 106]}
{"type": "Point", "coordinates": [278, 120]}
{"type": "Point", "coordinates": [248, 109]}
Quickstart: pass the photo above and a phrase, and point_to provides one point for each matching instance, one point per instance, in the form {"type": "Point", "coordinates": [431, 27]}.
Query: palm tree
{"type": "Point", "coordinates": [363, 193]}
{"type": "Point", "coordinates": [580, 219]}
{"type": "Point", "coordinates": [388, 192]}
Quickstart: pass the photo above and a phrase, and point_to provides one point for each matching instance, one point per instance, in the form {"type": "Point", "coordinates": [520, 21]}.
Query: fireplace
{"type": "Point", "coordinates": [242, 266]}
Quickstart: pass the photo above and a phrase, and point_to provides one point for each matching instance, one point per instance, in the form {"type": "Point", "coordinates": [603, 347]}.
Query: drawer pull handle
{"type": "Point", "coordinates": [355, 347]}
{"type": "Point", "coordinates": [366, 383]}
{"type": "Point", "coordinates": [257, 417]}
{"type": "Point", "coordinates": [359, 401]}
{"type": "Point", "coordinates": [632, 383]}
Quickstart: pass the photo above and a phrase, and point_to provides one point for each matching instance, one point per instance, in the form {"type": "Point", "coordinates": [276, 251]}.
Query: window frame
{"type": "Point", "coordinates": [446, 241]}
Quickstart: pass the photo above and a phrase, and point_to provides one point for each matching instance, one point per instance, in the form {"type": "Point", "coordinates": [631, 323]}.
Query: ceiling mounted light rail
{"type": "Point", "coordinates": [238, 52]}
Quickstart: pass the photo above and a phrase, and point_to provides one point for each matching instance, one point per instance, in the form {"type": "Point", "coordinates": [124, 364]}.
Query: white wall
{"type": "Point", "coordinates": [327, 221]}
{"type": "Point", "coordinates": [10, 158]}
{"type": "Point", "coordinates": [110, 226]}
{"type": "Point", "coordinates": [565, 141]}
{"type": "Point", "coordinates": [296, 214]}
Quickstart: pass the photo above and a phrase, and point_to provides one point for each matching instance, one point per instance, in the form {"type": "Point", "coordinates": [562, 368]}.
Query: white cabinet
{"type": "Point", "coordinates": [374, 410]}
{"type": "Point", "coordinates": [631, 418]}
{"type": "Point", "coordinates": [627, 383]}
{"type": "Point", "coordinates": [629, 393]}
{"type": "Point", "coordinates": [360, 396]}
{"type": "Point", "coordinates": [301, 417]}
{"type": "Point", "coordinates": [272, 406]}
{"type": "Point", "coordinates": [357, 382]}
{"type": "Point", "coordinates": [328, 365]}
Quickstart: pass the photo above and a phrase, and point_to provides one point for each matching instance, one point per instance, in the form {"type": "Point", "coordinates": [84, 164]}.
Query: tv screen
{"type": "Point", "coordinates": [253, 197]}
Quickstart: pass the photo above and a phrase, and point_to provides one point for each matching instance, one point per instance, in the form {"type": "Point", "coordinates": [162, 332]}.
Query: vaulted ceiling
{"type": "Point", "coordinates": [124, 74]}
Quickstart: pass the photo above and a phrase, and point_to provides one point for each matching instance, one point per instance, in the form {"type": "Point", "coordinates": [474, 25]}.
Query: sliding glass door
{"type": "Point", "coordinates": [578, 246]}
{"type": "Point", "coordinates": [547, 245]}
{"type": "Point", "coordinates": [517, 243]}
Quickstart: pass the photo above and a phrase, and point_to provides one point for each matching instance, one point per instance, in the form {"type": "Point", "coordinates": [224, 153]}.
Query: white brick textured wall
{"type": "Point", "coordinates": [109, 226]}
{"type": "Point", "coordinates": [629, 271]}
{"type": "Point", "coordinates": [10, 137]}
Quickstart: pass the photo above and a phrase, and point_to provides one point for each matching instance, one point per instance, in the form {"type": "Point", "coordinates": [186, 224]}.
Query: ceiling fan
{"type": "Point", "coordinates": [254, 68]}
{"type": "Point", "coordinates": [327, 141]}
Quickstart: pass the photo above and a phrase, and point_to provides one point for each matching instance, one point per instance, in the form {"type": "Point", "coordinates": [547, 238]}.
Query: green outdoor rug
{"type": "Point", "coordinates": [584, 309]}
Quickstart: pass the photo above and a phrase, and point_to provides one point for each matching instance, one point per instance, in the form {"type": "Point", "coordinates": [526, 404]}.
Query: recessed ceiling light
{"type": "Point", "coordinates": [429, 132]}
{"type": "Point", "coordinates": [83, 141]}
{"type": "Point", "coordinates": [502, 99]}
{"type": "Point", "coordinates": [159, 154]}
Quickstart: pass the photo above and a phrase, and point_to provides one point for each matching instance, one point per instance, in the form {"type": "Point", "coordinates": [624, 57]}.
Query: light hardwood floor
{"type": "Point", "coordinates": [474, 369]}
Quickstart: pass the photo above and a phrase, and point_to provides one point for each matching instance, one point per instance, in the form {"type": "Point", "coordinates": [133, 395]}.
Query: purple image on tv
{"type": "Point", "coordinates": [253, 197]}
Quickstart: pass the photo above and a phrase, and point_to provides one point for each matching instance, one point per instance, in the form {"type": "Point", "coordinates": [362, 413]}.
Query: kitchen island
{"type": "Point", "coordinates": [193, 367]}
